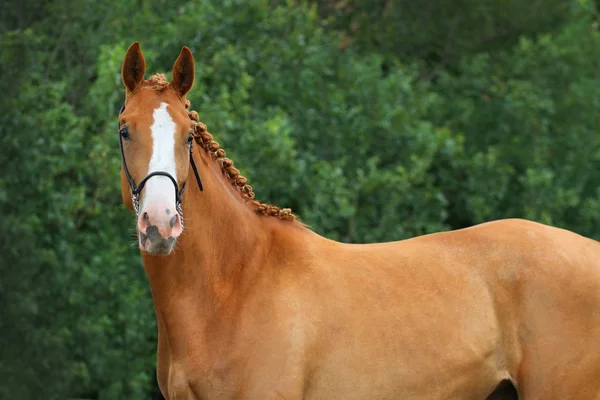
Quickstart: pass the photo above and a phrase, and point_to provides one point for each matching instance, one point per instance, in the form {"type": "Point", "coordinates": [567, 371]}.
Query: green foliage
{"type": "Point", "coordinates": [438, 32]}
{"type": "Point", "coordinates": [530, 125]}
{"type": "Point", "coordinates": [354, 115]}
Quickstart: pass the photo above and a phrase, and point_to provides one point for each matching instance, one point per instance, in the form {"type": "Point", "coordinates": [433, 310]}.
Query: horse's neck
{"type": "Point", "coordinates": [222, 246]}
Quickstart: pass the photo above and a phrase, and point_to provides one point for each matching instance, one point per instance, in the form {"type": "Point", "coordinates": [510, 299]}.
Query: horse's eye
{"type": "Point", "coordinates": [190, 138]}
{"type": "Point", "coordinates": [124, 132]}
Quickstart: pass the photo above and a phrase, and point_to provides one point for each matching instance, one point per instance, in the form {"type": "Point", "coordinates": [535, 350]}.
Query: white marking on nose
{"type": "Point", "coordinates": [163, 158]}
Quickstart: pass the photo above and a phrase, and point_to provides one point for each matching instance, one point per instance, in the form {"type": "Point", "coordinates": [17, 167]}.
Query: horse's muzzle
{"type": "Point", "coordinates": [159, 225]}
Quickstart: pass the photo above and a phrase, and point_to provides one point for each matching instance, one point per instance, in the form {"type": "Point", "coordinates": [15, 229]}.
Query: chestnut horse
{"type": "Point", "coordinates": [251, 304]}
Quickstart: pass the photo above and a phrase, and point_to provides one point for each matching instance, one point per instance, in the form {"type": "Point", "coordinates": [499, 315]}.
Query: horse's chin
{"type": "Point", "coordinates": [156, 245]}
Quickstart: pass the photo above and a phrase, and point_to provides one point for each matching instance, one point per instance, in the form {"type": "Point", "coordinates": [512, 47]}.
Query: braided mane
{"type": "Point", "coordinates": [159, 83]}
{"type": "Point", "coordinates": [205, 140]}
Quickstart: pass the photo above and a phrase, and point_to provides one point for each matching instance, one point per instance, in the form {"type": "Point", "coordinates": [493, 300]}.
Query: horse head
{"type": "Point", "coordinates": [156, 138]}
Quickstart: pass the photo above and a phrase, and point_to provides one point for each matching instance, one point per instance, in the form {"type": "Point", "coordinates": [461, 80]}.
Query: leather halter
{"type": "Point", "coordinates": [136, 190]}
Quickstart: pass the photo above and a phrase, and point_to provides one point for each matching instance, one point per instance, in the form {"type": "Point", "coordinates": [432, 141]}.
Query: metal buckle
{"type": "Point", "coordinates": [136, 204]}
{"type": "Point", "coordinates": [180, 212]}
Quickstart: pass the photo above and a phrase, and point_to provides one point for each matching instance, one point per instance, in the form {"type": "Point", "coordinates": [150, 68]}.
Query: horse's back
{"type": "Point", "coordinates": [406, 319]}
{"type": "Point", "coordinates": [458, 312]}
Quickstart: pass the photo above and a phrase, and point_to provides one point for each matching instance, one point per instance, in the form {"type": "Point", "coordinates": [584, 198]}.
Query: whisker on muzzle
{"type": "Point", "coordinates": [133, 232]}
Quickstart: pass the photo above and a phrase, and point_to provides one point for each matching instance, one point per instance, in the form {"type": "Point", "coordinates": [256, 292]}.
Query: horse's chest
{"type": "Point", "coordinates": [182, 379]}
{"type": "Point", "coordinates": [260, 371]}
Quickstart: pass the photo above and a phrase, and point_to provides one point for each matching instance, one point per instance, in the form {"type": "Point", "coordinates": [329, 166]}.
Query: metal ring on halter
{"type": "Point", "coordinates": [136, 190]}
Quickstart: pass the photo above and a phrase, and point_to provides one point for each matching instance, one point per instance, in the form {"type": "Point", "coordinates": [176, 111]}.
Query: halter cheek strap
{"type": "Point", "coordinates": [136, 190]}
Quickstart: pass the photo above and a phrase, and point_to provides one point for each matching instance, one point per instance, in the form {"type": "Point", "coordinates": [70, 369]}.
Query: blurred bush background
{"type": "Point", "coordinates": [373, 120]}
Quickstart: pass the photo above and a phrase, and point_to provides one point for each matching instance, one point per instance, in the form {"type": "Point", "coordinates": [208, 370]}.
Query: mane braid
{"type": "Point", "coordinates": [156, 82]}
{"type": "Point", "coordinates": [205, 140]}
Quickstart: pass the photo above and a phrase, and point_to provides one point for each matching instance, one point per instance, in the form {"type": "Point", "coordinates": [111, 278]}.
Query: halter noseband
{"type": "Point", "coordinates": [136, 190]}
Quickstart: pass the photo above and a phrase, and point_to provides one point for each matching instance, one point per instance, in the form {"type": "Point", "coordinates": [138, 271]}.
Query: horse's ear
{"type": "Point", "coordinates": [134, 67]}
{"type": "Point", "coordinates": [183, 72]}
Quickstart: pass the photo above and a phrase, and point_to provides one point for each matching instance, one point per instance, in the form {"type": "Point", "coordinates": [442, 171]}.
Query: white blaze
{"type": "Point", "coordinates": [163, 158]}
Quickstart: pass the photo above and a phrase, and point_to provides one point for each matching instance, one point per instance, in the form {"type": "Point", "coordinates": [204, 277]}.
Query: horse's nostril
{"type": "Point", "coordinates": [158, 224]}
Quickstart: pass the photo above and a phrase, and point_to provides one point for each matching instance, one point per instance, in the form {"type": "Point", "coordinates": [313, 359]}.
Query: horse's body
{"type": "Point", "coordinates": [444, 316]}
{"type": "Point", "coordinates": [256, 307]}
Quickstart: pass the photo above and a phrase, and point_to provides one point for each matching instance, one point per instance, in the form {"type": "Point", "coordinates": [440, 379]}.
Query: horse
{"type": "Point", "coordinates": [252, 304]}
